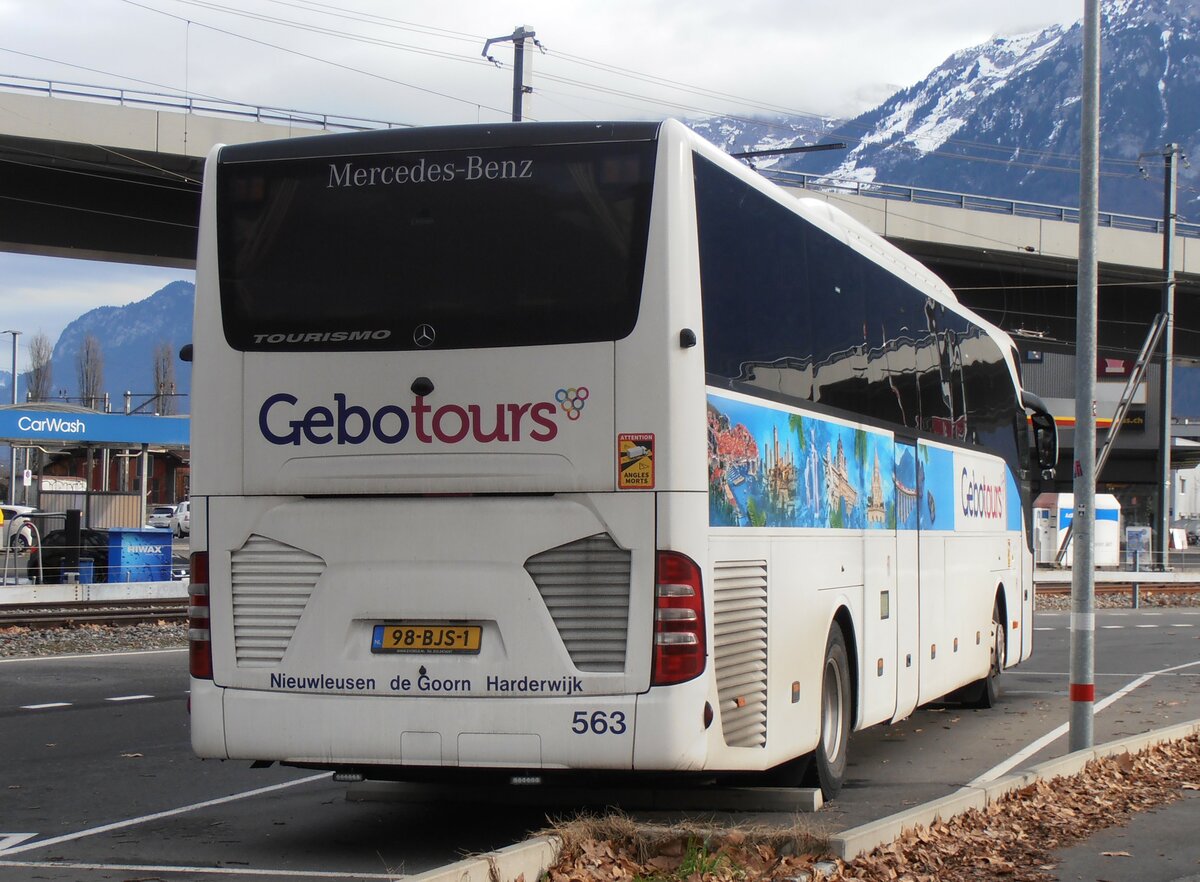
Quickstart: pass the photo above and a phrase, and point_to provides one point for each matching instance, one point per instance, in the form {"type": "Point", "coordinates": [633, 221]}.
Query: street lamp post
{"type": "Point", "coordinates": [12, 464]}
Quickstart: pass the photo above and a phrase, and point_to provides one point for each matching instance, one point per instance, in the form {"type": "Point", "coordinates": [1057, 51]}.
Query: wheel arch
{"type": "Point", "coordinates": [1001, 601]}
{"type": "Point", "coordinates": [845, 621]}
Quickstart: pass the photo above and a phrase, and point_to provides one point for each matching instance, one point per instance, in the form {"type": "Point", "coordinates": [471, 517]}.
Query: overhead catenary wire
{"type": "Point", "coordinates": [109, 73]}
{"type": "Point", "coordinates": [317, 29]}
{"type": "Point", "coordinates": [358, 15]}
{"type": "Point", "coordinates": [325, 9]}
{"type": "Point", "coordinates": [62, 169]}
{"type": "Point", "coordinates": [310, 57]}
{"type": "Point", "coordinates": [794, 130]}
{"type": "Point", "coordinates": [115, 214]}
{"type": "Point", "coordinates": [168, 173]}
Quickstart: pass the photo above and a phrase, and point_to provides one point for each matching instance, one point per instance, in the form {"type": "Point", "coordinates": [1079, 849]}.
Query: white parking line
{"type": "Point", "coordinates": [229, 871]}
{"type": "Point", "coordinates": [44, 706]}
{"type": "Point", "coordinates": [42, 658]}
{"type": "Point", "coordinates": [129, 698]}
{"type": "Point", "coordinates": [1123, 627]}
{"type": "Point", "coordinates": [131, 822]}
{"type": "Point", "coordinates": [1021, 672]}
{"type": "Point", "coordinates": [1021, 755]}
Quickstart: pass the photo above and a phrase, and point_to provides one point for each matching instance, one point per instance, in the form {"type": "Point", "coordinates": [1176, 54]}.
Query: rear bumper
{"type": "Point", "coordinates": [597, 732]}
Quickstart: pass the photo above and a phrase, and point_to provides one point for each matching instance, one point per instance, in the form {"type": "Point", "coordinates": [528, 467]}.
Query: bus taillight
{"type": "Point", "coordinates": [679, 644]}
{"type": "Point", "coordinates": [199, 642]}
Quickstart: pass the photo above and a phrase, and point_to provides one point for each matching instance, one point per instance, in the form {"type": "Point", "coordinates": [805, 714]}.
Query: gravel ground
{"type": "Point", "coordinates": [18, 642]}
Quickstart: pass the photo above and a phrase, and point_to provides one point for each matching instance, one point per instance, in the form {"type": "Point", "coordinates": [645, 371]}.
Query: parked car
{"type": "Point", "coordinates": [181, 519]}
{"type": "Point", "coordinates": [1191, 526]}
{"type": "Point", "coordinates": [160, 516]}
{"type": "Point", "coordinates": [46, 560]}
{"type": "Point", "coordinates": [17, 531]}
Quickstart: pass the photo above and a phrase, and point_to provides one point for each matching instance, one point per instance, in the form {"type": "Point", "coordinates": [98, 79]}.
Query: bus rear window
{"type": "Point", "coordinates": [449, 249]}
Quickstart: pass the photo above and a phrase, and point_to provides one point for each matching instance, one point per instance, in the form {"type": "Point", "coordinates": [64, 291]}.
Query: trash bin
{"type": "Point", "coordinates": [138, 555]}
{"type": "Point", "coordinates": [87, 570]}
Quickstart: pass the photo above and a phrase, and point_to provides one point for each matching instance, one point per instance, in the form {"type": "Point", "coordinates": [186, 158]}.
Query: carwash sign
{"type": "Point", "coordinates": [92, 428]}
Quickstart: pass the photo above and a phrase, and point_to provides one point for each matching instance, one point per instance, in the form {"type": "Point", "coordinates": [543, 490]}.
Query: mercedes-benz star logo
{"type": "Point", "coordinates": [424, 336]}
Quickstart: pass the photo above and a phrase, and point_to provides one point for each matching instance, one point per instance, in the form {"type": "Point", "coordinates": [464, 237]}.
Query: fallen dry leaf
{"type": "Point", "coordinates": [1012, 839]}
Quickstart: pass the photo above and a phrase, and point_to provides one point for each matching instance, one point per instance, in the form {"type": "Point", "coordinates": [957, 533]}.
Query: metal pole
{"type": "Point", "coordinates": [12, 465]}
{"type": "Point", "coordinates": [522, 65]}
{"type": "Point", "coordinates": [144, 476]}
{"type": "Point", "coordinates": [1083, 578]}
{"type": "Point", "coordinates": [522, 70]}
{"type": "Point", "coordinates": [1165, 383]}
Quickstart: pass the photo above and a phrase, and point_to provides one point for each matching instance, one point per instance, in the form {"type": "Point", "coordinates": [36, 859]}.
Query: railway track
{"type": "Point", "coordinates": [135, 612]}
{"type": "Point", "coordinates": [1125, 588]}
{"type": "Point", "coordinates": [60, 615]}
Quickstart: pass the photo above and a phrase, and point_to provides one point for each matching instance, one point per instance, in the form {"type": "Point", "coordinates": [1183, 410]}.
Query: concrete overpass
{"type": "Point", "coordinates": [111, 174]}
{"type": "Point", "coordinates": [96, 172]}
{"type": "Point", "coordinates": [88, 172]}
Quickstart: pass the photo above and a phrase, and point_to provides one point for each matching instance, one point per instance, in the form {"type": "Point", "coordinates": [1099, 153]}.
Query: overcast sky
{"type": "Point", "coordinates": [419, 63]}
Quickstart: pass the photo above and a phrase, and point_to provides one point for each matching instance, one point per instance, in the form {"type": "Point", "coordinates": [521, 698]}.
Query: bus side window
{"type": "Point", "coordinates": [753, 284]}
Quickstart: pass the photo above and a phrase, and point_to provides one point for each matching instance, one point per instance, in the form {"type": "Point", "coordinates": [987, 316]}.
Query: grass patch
{"type": "Point", "coordinates": [615, 847]}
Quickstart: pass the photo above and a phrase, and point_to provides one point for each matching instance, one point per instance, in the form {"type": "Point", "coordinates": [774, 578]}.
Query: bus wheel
{"type": "Point", "coordinates": [828, 768]}
{"type": "Point", "coordinates": [984, 693]}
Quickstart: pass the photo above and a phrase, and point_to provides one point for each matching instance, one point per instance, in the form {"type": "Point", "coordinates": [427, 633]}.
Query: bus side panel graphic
{"type": "Point", "coordinates": [769, 467]}
{"type": "Point", "coordinates": [935, 466]}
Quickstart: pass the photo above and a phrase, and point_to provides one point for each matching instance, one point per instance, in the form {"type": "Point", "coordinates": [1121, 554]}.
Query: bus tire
{"type": "Point", "coordinates": [985, 692]}
{"type": "Point", "coordinates": [828, 769]}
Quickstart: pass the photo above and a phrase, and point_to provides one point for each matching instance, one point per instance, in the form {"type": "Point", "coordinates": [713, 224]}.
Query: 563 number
{"type": "Point", "coordinates": [599, 723]}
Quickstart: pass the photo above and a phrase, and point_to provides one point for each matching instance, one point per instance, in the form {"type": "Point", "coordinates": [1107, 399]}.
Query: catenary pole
{"type": "Point", "coordinates": [12, 463]}
{"type": "Point", "coordinates": [1170, 152]}
{"type": "Point", "coordinates": [523, 38]}
{"type": "Point", "coordinates": [522, 70]}
{"type": "Point", "coordinates": [1083, 577]}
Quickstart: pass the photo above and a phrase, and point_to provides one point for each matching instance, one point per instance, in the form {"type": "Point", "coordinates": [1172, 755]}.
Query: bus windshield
{"type": "Point", "coordinates": [482, 247]}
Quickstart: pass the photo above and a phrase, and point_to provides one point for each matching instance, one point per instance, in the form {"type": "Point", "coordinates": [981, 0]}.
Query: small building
{"type": "Point", "coordinates": [1052, 515]}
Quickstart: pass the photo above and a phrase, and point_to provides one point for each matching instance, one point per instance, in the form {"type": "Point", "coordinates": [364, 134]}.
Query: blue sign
{"type": "Point", "coordinates": [139, 555]}
{"type": "Point", "coordinates": [93, 428]}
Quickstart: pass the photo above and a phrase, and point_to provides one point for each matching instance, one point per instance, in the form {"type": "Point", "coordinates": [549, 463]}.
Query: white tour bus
{"type": "Point", "coordinates": [576, 446]}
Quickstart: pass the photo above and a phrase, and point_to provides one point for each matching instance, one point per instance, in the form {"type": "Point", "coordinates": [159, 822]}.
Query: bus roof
{"type": "Point", "coordinates": [440, 137]}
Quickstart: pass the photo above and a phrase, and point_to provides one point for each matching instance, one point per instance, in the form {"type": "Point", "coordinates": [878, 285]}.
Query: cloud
{"type": "Point", "coordinates": [808, 55]}
{"type": "Point", "coordinates": [609, 60]}
{"type": "Point", "coordinates": [43, 295]}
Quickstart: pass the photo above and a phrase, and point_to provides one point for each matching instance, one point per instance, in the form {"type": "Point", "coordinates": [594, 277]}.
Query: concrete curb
{"type": "Point", "coordinates": [849, 844]}
{"type": "Point", "coordinates": [529, 859]}
{"type": "Point", "coordinates": [24, 595]}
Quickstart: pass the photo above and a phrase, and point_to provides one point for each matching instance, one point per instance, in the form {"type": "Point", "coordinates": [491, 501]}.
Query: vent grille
{"type": "Point", "coordinates": [271, 586]}
{"type": "Point", "coordinates": [740, 635]}
{"type": "Point", "coordinates": [585, 586]}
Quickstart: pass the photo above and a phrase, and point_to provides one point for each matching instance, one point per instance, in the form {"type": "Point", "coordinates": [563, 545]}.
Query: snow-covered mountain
{"type": "Point", "coordinates": [999, 119]}
{"type": "Point", "coordinates": [737, 134]}
{"type": "Point", "coordinates": [1003, 118]}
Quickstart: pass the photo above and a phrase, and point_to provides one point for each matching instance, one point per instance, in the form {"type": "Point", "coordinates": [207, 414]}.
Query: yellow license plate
{"type": "Point", "coordinates": [426, 637]}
